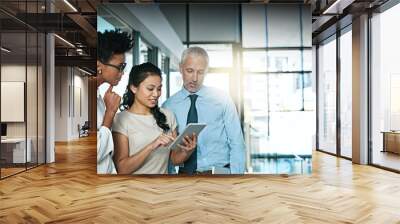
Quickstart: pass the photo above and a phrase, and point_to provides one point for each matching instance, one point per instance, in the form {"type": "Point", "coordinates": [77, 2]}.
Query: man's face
{"type": "Point", "coordinates": [110, 71]}
{"type": "Point", "coordinates": [193, 71]}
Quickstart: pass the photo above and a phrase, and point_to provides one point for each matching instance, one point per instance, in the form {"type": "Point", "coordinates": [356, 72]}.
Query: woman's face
{"type": "Point", "coordinates": [148, 91]}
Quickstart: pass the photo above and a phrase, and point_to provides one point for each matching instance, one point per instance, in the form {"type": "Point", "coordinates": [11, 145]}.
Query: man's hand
{"type": "Point", "coordinates": [112, 102]}
{"type": "Point", "coordinates": [189, 143]}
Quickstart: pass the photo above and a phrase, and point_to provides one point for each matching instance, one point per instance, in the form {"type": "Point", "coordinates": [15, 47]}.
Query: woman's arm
{"type": "Point", "coordinates": [183, 153]}
{"type": "Point", "coordinates": [128, 164]}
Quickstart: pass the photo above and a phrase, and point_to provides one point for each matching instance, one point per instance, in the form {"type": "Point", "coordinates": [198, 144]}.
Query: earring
{"type": "Point", "coordinates": [99, 71]}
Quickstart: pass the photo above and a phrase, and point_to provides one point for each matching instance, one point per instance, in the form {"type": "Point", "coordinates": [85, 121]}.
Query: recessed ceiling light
{"type": "Point", "coordinates": [70, 5]}
{"type": "Point", "coordinates": [5, 50]}
{"type": "Point", "coordinates": [84, 71]}
{"type": "Point", "coordinates": [64, 40]}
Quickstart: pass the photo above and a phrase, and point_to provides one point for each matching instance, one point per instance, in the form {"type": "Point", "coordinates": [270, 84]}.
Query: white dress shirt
{"type": "Point", "coordinates": [105, 144]}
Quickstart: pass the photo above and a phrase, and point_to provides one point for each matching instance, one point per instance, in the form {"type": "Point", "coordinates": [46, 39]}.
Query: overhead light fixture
{"type": "Point", "coordinates": [5, 50]}
{"type": "Point", "coordinates": [70, 5]}
{"type": "Point", "coordinates": [65, 41]}
{"type": "Point", "coordinates": [84, 71]}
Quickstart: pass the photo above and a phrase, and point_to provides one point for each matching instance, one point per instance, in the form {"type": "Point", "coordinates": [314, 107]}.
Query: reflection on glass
{"type": "Point", "coordinates": [327, 97]}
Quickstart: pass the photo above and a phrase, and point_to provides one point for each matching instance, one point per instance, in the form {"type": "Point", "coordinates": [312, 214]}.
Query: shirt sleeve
{"type": "Point", "coordinates": [172, 119]}
{"type": "Point", "coordinates": [118, 125]}
{"type": "Point", "coordinates": [235, 139]}
{"type": "Point", "coordinates": [105, 147]}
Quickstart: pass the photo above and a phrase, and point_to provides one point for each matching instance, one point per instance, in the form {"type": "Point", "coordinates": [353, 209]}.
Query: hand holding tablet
{"type": "Point", "coordinates": [195, 128]}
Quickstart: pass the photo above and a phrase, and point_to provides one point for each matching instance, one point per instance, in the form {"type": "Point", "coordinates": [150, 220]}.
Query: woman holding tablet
{"type": "Point", "coordinates": [142, 132]}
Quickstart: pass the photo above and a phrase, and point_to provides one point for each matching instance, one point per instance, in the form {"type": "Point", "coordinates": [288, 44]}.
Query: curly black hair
{"type": "Point", "coordinates": [112, 42]}
{"type": "Point", "coordinates": [137, 75]}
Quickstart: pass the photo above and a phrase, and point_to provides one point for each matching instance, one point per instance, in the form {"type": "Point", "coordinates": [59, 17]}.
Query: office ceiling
{"type": "Point", "coordinates": [328, 17]}
{"type": "Point", "coordinates": [76, 22]}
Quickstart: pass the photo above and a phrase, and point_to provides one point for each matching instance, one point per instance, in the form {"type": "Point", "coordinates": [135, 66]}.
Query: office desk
{"type": "Point", "coordinates": [13, 150]}
{"type": "Point", "coordinates": [391, 141]}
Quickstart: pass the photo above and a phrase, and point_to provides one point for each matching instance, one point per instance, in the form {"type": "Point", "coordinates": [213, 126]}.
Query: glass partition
{"type": "Point", "coordinates": [15, 151]}
{"type": "Point", "coordinates": [22, 90]}
{"type": "Point", "coordinates": [327, 96]}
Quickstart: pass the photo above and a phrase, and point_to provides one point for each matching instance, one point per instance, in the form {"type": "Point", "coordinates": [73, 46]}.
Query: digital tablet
{"type": "Point", "coordinates": [189, 130]}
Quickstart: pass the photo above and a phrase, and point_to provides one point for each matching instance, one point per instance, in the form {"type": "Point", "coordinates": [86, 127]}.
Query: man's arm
{"type": "Point", "coordinates": [235, 139]}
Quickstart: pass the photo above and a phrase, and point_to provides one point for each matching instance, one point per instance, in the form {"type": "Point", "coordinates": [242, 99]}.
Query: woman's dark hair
{"type": "Point", "coordinates": [137, 75]}
{"type": "Point", "coordinates": [112, 42]}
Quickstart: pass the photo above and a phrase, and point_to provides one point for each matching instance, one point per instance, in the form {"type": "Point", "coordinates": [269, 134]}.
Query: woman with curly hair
{"type": "Point", "coordinates": [111, 48]}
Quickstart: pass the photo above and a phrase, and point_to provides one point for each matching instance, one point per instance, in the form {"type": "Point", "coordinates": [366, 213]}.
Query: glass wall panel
{"type": "Point", "coordinates": [32, 98]}
{"type": "Point", "coordinates": [346, 94]}
{"type": "Point", "coordinates": [22, 90]}
{"type": "Point", "coordinates": [327, 96]}
{"type": "Point", "coordinates": [14, 151]}
{"type": "Point", "coordinates": [41, 79]}
{"type": "Point", "coordinates": [386, 89]}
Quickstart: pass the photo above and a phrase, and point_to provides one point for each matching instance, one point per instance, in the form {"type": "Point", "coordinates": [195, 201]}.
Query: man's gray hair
{"type": "Point", "coordinates": [195, 51]}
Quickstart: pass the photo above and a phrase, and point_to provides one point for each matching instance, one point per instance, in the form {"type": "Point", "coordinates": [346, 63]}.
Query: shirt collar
{"type": "Point", "coordinates": [185, 93]}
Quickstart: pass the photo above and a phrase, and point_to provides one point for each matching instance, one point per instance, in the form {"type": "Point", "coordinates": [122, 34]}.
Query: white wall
{"type": "Point", "coordinates": [71, 96]}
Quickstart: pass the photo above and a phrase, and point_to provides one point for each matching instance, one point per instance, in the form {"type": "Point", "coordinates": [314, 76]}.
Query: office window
{"type": "Point", "coordinates": [220, 55]}
{"type": "Point", "coordinates": [103, 25]}
{"type": "Point", "coordinates": [144, 50]}
{"type": "Point", "coordinates": [218, 80]}
{"type": "Point", "coordinates": [385, 88]}
{"type": "Point", "coordinates": [163, 63]}
{"type": "Point", "coordinates": [266, 22]}
{"type": "Point", "coordinates": [273, 109]}
{"type": "Point", "coordinates": [346, 94]}
{"type": "Point", "coordinates": [327, 96]}
{"type": "Point", "coordinates": [277, 60]}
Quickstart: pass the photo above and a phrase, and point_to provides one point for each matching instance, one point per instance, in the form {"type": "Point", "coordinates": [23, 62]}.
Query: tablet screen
{"type": "Point", "coordinates": [189, 130]}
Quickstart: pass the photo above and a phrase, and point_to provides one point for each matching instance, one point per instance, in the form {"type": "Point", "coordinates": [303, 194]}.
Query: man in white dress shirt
{"type": "Point", "coordinates": [111, 48]}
